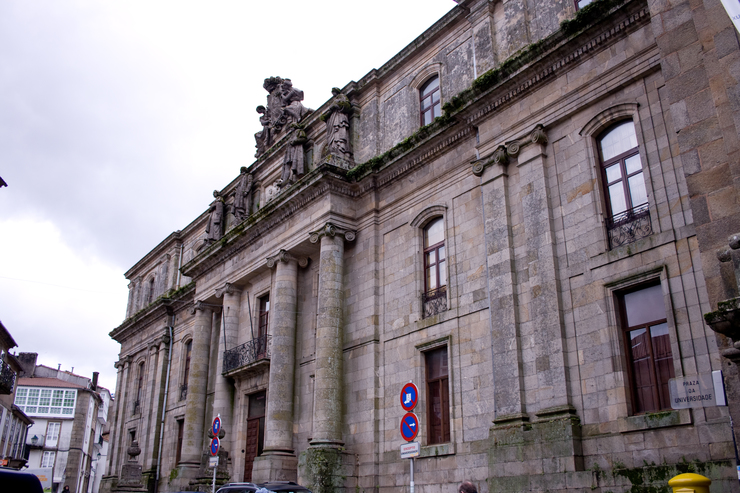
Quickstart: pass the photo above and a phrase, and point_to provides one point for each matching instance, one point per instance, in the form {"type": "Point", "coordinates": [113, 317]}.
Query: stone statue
{"type": "Point", "coordinates": [337, 126]}
{"type": "Point", "coordinates": [292, 107]}
{"type": "Point", "coordinates": [293, 162]}
{"type": "Point", "coordinates": [243, 195]}
{"type": "Point", "coordinates": [215, 226]}
{"type": "Point", "coordinates": [264, 137]}
{"type": "Point", "coordinates": [284, 108]}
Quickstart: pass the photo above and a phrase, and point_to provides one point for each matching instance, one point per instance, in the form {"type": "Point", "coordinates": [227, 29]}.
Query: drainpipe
{"type": "Point", "coordinates": [164, 404]}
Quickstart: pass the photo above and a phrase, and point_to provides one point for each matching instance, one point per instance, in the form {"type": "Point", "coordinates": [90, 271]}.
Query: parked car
{"type": "Point", "coordinates": [12, 480]}
{"type": "Point", "coordinates": [276, 486]}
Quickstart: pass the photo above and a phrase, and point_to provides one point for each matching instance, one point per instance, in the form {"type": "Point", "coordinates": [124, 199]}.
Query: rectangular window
{"type": "Point", "coordinates": [438, 396]}
{"type": "Point", "coordinates": [264, 315]}
{"type": "Point", "coordinates": [48, 402]}
{"type": "Point", "coordinates": [52, 434]}
{"type": "Point", "coordinates": [48, 459]}
{"type": "Point", "coordinates": [648, 346]}
{"type": "Point", "coordinates": [180, 433]}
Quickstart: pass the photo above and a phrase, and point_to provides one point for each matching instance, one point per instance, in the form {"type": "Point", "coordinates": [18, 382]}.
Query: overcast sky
{"type": "Point", "coordinates": [119, 119]}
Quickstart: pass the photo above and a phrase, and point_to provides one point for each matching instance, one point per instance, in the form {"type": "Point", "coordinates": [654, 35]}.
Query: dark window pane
{"type": "Point", "coordinates": [644, 306]}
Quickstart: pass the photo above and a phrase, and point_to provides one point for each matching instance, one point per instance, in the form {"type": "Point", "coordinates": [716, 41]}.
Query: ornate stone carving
{"type": "Point", "coordinates": [285, 256]}
{"type": "Point", "coordinates": [198, 305]}
{"type": "Point", "coordinates": [284, 107]}
{"type": "Point", "coordinates": [330, 229]}
{"type": "Point", "coordinates": [264, 137]}
{"type": "Point", "coordinates": [510, 149]}
{"type": "Point", "coordinates": [215, 226]}
{"type": "Point", "coordinates": [538, 135]}
{"type": "Point", "coordinates": [243, 195]}
{"type": "Point", "coordinates": [293, 162]}
{"type": "Point", "coordinates": [226, 288]}
{"type": "Point", "coordinates": [499, 156]}
{"type": "Point", "coordinates": [337, 126]}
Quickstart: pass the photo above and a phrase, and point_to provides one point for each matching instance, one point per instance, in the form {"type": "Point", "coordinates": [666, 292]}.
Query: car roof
{"type": "Point", "coordinates": [19, 481]}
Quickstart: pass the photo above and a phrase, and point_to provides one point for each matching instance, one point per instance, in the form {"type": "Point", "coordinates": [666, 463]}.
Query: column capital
{"type": "Point", "coordinates": [227, 288]}
{"type": "Point", "coordinates": [332, 230]}
{"type": "Point", "coordinates": [510, 149]}
{"type": "Point", "coordinates": [285, 256]}
{"type": "Point", "coordinates": [199, 306]}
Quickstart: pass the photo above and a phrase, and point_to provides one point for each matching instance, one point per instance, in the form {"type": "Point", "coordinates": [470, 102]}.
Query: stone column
{"type": "Point", "coordinates": [112, 468]}
{"type": "Point", "coordinates": [123, 404]}
{"type": "Point", "coordinates": [155, 398]}
{"type": "Point", "coordinates": [552, 392]}
{"type": "Point", "coordinates": [223, 402]}
{"type": "Point", "coordinates": [278, 460]}
{"type": "Point", "coordinates": [501, 280]}
{"type": "Point", "coordinates": [321, 464]}
{"type": "Point", "coordinates": [195, 403]}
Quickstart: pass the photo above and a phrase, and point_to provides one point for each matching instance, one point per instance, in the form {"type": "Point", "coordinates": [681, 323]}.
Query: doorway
{"type": "Point", "coordinates": [255, 431]}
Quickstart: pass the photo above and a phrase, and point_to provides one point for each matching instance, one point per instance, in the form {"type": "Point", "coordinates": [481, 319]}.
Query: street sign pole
{"type": "Point", "coordinates": [409, 426]}
{"type": "Point", "coordinates": [411, 461]}
{"type": "Point", "coordinates": [215, 428]}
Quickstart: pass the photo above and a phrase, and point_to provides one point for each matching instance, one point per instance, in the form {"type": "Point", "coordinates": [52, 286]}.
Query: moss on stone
{"type": "Point", "coordinates": [323, 469]}
{"type": "Point", "coordinates": [653, 478]}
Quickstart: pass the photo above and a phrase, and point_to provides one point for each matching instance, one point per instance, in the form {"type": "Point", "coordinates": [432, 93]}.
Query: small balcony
{"type": "Point", "coordinates": [434, 301]}
{"type": "Point", "coordinates": [247, 356]}
{"type": "Point", "coordinates": [629, 226]}
{"type": "Point", "coordinates": [7, 378]}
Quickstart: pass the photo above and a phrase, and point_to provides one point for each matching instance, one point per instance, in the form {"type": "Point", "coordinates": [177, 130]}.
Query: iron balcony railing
{"type": "Point", "coordinates": [435, 301]}
{"type": "Point", "coordinates": [629, 226]}
{"type": "Point", "coordinates": [7, 378]}
{"type": "Point", "coordinates": [254, 350]}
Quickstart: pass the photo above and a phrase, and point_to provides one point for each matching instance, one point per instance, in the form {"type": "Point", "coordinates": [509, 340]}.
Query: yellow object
{"type": "Point", "coordinates": [690, 483]}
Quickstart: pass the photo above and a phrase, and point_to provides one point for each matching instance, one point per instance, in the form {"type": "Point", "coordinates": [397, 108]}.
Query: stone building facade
{"type": "Point", "coordinates": [502, 214]}
{"type": "Point", "coordinates": [69, 414]}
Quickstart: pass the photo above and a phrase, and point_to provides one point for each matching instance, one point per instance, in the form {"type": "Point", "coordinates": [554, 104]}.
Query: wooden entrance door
{"type": "Point", "coordinates": [255, 431]}
{"type": "Point", "coordinates": [251, 451]}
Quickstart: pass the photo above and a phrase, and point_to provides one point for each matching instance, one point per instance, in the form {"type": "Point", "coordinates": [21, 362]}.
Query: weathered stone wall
{"type": "Point", "coordinates": [538, 384]}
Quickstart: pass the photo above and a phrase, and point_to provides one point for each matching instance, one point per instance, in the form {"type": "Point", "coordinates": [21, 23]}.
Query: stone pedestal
{"type": "Point", "coordinates": [517, 453]}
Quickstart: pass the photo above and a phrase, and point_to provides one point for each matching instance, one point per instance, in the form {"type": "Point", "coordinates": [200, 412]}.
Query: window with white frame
{"type": "Point", "coordinates": [52, 433]}
{"type": "Point", "coordinates": [47, 460]}
{"type": "Point", "coordinates": [36, 401]}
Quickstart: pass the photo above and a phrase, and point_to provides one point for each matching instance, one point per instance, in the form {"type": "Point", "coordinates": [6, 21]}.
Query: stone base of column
{"type": "Point", "coordinates": [554, 440]}
{"type": "Point", "coordinates": [323, 468]}
{"type": "Point", "coordinates": [275, 465]}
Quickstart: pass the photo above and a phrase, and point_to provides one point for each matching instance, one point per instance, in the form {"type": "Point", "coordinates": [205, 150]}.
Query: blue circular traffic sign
{"type": "Point", "coordinates": [409, 426]}
{"type": "Point", "coordinates": [214, 446]}
{"type": "Point", "coordinates": [409, 396]}
{"type": "Point", "coordinates": [216, 426]}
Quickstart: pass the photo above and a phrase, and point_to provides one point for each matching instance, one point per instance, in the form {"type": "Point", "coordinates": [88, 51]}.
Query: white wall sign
{"type": "Point", "coordinates": [703, 390]}
{"type": "Point", "coordinates": [733, 10]}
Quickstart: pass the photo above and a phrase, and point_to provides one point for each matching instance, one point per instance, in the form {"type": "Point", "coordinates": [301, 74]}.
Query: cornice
{"type": "Point", "coordinates": [535, 74]}
{"type": "Point", "coordinates": [162, 306]}
{"type": "Point", "coordinates": [174, 239]}
{"type": "Point", "coordinates": [319, 182]}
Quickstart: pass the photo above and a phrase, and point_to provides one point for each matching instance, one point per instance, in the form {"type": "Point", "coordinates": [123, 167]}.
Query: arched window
{"type": "Point", "coordinates": [435, 272]}
{"type": "Point", "coordinates": [625, 193]}
{"type": "Point", "coordinates": [139, 388]}
{"type": "Point", "coordinates": [186, 370]}
{"type": "Point", "coordinates": [430, 103]}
